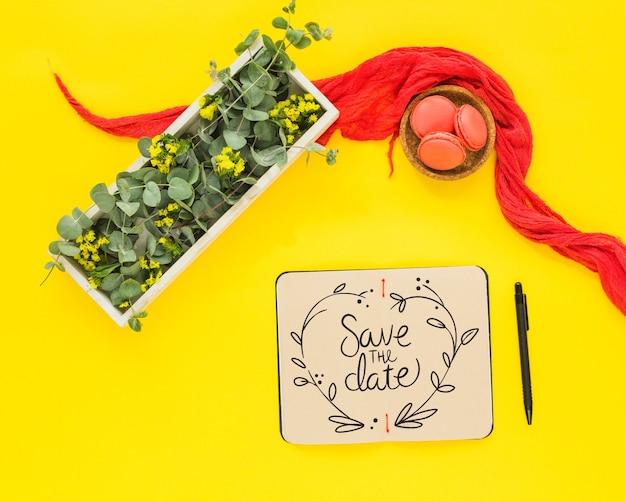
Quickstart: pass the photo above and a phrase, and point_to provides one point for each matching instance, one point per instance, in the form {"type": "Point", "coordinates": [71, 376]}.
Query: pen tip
{"type": "Point", "coordinates": [529, 416]}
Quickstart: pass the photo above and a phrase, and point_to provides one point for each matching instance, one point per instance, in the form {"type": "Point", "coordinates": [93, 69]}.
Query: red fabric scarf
{"type": "Point", "coordinates": [371, 99]}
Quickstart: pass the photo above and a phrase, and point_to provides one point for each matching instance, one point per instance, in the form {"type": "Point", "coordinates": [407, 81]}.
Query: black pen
{"type": "Point", "coordinates": [521, 309]}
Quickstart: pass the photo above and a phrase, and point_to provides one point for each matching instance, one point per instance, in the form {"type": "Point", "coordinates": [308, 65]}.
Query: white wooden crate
{"type": "Point", "coordinates": [188, 119]}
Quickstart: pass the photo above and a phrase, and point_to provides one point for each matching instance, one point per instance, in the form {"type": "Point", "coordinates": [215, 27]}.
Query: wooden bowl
{"type": "Point", "coordinates": [474, 159]}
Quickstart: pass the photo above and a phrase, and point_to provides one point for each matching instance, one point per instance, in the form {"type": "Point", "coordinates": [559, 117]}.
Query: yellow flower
{"type": "Point", "coordinates": [295, 115]}
{"type": "Point", "coordinates": [163, 150]}
{"type": "Point", "coordinates": [171, 246]}
{"type": "Point", "coordinates": [229, 163]}
{"type": "Point", "coordinates": [151, 280]}
{"type": "Point", "coordinates": [93, 281]}
{"type": "Point", "coordinates": [90, 254]}
{"type": "Point", "coordinates": [208, 112]}
{"type": "Point", "coordinates": [208, 106]}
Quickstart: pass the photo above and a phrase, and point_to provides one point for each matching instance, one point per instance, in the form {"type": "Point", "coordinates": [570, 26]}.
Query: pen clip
{"type": "Point", "coordinates": [525, 311]}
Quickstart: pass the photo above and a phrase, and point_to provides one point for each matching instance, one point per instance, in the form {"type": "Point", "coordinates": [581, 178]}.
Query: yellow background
{"type": "Point", "coordinates": [188, 408]}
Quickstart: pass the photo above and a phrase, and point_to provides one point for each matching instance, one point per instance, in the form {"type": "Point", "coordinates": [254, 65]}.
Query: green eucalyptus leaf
{"type": "Point", "coordinates": [129, 289]}
{"type": "Point", "coordinates": [194, 173]}
{"type": "Point", "coordinates": [253, 95]}
{"type": "Point", "coordinates": [131, 271]}
{"type": "Point", "coordinates": [111, 282]}
{"type": "Point", "coordinates": [180, 172]}
{"type": "Point", "coordinates": [234, 140]}
{"type": "Point", "coordinates": [201, 225]}
{"type": "Point", "coordinates": [255, 115]}
{"type": "Point", "coordinates": [153, 175]}
{"type": "Point", "coordinates": [102, 198]}
{"type": "Point", "coordinates": [188, 234]}
{"type": "Point", "coordinates": [124, 188]}
{"type": "Point", "coordinates": [68, 249]}
{"type": "Point", "coordinates": [53, 248]}
{"type": "Point", "coordinates": [164, 258]}
{"type": "Point", "coordinates": [152, 228]}
{"type": "Point", "coordinates": [263, 57]}
{"type": "Point", "coordinates": [204, 133]}
{"type": "Point", "coordinates": [223, 75]}
{"type": "Point", "coordinates": [105, 269]}
{"type": "Point", "coordinates": [213, 181]}
{"type": "Point", "coordinates": [265, 130]}
{"type": "Point", "coordinates": [295, 36]}
{"type": "Point", "coordinates": [216, 146]}
{"type": "Point", "coordinates": [127, 255]}
{"type": "Point", "coordinates": [68, 228]}
{"type": "Point", "coordinates": [284, 62]}
{"type": "Point", "coordinates": [200, 207]}
{"type": "Point", "coordinates": [144, 146]}
{"type": "Point", "coordinates": [118, 217]}
{"type": "Point", "coordinates": [192, 160]}
{"type": "Point", "coordinates": [151, 194]}
{"type": "Point", "coordinates": [135, 324]}
{"type": "Point", "coordinates": [249, 40]}
{"type": "Point", "coordinates": [266, 157]}
{"type": "Point", "coordinates": [280, 22]}
{"type": "Point", "coordinates": [315, 148]}
{"type": "Point", "coordinates": [247, 180]}
{"type": "Point", "coordinates": [240, 124]}
{"type": "Point", "coordinates": [314, 31]}
{"type": "Point", "coordinates": [129, 208]}
{"type": "Point", "coordinates": [282, 158]}
{"type": "Point", "coordinates": [304, 42]}
{"type": "Point", "coordinates": [291, 8]}
{"type": "Point", "coordinates": [151, 245]}
{"type": "Point", "coordinates": [269, 44]}
{"type": "Point", "coordinates": [269, 101]}
{"type": "Point", "coordinates": [82, 218]}
{"type": "Point", "coordinates": [50, 265]}
{"type": "Point", "coordinates": [133, 230]}
{"type": "Point", "coordinates": [142, 173]}
{"type": "Point", "coordinates": [232, 199]}
{"type": "Point", "coordinates": [250, 73]}
{"type": "Point", "coordinates": [185, 209]}
{"type": "Point", "coordinates": [179, 189]}
{"type": "Point", "coordinates": [117, 241]}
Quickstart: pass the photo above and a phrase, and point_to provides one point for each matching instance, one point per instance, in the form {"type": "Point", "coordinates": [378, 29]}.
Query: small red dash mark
{"type": "Point", "coordinates": [383, 286]}
{"type": "Point", "coordinates": [387, 418]}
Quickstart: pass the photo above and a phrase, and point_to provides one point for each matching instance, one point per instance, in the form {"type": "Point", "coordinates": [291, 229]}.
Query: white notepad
{"type": "Point", "coordinates": [384, 355]}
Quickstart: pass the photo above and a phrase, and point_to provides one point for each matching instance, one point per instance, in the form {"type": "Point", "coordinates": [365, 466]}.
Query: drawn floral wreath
{"type": "Point", "coordinates": [411, 415]}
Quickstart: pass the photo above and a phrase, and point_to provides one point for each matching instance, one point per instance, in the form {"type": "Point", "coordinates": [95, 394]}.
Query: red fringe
{"type": "Point", "coordinates": [136, 126]}
{"type": "Point", "coordinates": [371, 99]}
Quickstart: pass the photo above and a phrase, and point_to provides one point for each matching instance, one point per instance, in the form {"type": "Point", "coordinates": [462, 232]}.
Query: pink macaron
{"type": "Point", "coordinates": [441, 151]}
{"type": "Point", "coordinates": [433, 114]}
{"type": "Point", "coordinates": [471, 128]}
